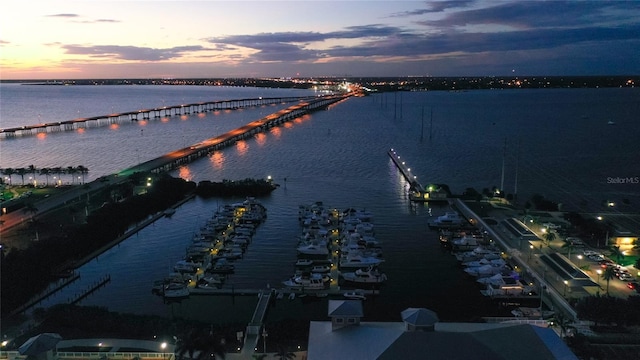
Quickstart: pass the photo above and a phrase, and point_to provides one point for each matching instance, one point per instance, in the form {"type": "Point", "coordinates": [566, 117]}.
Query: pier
{"type": "Point", "coordinates": [417, 192]}
{"type": "Point", "coordinates": [144, 114]}
{"type": "Point", "coordinates": [252, 334]}
{"type": "Point", "coordinates": [100, 283]}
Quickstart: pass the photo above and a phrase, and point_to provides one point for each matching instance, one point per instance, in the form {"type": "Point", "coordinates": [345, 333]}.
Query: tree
{"type": "Point", "coordinates": [563, 321]}
{"type": "Point", "coordinates": [83, 171]}
{"type": "Point", "coordinates": [21, 172]}
{"type": "Point", "coordinates": [32, 170]}
{"type": "Point", "coordinates": [203, 345]}
{"type": "Point", "coordinates": [71, 171]}
{"type": "Point", "coordinates": [46, 172]}
{"type": "Point", "coordinates": [615, 251]}
{"type": "Point", "coordinates": [570, 247]}
{"type": "Point", "coordinates": [548, 237]}
{"type": "Point", "coordinates": [608, 274]}
{"type": "Point", "coordinates": [283, 354]}
{"type": "Point", "coordinates": [8, 172]}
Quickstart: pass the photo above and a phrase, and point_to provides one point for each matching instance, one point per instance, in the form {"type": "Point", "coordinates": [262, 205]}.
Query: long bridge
{"type": "Point", "coordinates": [188, 154]}
{"type": "Point", "coordinates": [145, 114]}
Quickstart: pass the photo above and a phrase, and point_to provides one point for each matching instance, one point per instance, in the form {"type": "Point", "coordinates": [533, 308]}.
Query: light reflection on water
{"type": "Point", "coordinates": [339, 157]}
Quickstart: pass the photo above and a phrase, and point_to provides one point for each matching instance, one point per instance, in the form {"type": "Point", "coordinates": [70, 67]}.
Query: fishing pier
{"type": "Point", "coordinates": [417, 192]}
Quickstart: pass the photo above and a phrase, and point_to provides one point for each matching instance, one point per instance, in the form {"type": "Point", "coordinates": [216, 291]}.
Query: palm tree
{"type": "Point", "coordinates": [608, 274]}
{"type": "Point", "coordinates": [283, 354]}
{"type": "Point", "coordinates": [569, 246]}
{"type": "Point", "coordinates": [615, 251]}
{"type": "Point", "coordinates": [8, 172]}
{"type": "Point", "coordinates": [21, 172]}
{"type": "Point", "coordinates": [32, 170]}
{"type": "Point", "coordinates": [562, 322]}
{"type": "Point", "coordinates": [83, 171]}
{"type": "Point", "coordinates": [548, 237]}
{"type": "Point", "coordinates": [71, 171]}
{"type": "Point", "coordinates": [203, 345]}
{"type": "Point", "coordinates": [46, 172]}
{"type": "Point", "coordinates": [57, 171]}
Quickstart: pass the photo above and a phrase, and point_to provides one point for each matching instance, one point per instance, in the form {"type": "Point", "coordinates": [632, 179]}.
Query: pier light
{"type": "Point", "coordinates": [599, 218]}
{"type": "Point", "coordinates": [408, 169]}
{"type": "Point", "coordinates": [611, 204]}
{"type": "Point", "coordinates": [163, 346]}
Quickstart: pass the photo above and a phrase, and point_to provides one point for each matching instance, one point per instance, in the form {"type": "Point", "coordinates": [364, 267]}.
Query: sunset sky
{"type": "Point", "coordinates": [53, 39]}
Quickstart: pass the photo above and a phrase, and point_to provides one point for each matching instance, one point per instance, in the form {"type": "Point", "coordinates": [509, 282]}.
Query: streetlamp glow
{"type": "Point", "coordinates": [565, 287]}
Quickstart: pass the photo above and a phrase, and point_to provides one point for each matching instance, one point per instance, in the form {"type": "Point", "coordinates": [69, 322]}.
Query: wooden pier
{"type": "Point", "coordinates": [100, 283]}
{"type": "Point", "coordinates": [144, 114]}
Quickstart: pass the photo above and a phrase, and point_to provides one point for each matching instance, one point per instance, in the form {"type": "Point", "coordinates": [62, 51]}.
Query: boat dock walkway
{"type": "Point", "coordinates": [252, 334]}
{"type": "Point", "coordinates": [405, 170]}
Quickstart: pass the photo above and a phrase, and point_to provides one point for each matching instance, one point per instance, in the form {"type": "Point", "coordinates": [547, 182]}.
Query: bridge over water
{"type": "Point", "coordinates": [144, 114]}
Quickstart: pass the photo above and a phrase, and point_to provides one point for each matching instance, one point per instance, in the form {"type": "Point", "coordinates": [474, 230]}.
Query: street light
{"type": "Point", "coordinates": [579, 260]}
{"type": "Point", "coordinates": [530, 251]}
{"type": "Point", "coordinates": [599, 272]}
{"type": "Point", "coordinates": [264, 340]}
{"type": "Point", "coordinates": [565, 288]}
{"type": "Point", "coordinates": [163, 346]}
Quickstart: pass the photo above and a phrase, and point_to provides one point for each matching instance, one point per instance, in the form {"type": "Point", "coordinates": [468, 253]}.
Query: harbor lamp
{"type": "Point", "coordinates": [565, 288]}
{"type": "Point", "coordinates": [163, 346]}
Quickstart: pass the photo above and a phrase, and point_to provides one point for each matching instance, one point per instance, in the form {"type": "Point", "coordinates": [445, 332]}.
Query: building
{"type": "Point", "coordinates": [421, 335]}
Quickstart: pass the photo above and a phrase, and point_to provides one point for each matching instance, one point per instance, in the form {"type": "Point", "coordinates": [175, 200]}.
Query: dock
{"type": "Point", "coordinates": [417, 192]}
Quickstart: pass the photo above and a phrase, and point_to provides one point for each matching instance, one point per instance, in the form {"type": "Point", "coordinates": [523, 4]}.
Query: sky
{"type": "Point", "coordinates": [81, 39]}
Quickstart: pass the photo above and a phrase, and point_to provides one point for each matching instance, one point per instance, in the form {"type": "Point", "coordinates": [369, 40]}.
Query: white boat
{"type": "Point", "coordinates": [304, 262]}
{"type": "Point", "coordinates": [322, 269]}
{"type": "Point", "coordinates": [304, 283]}
{"type": "Point", "coordinates": [466, 242]}
{"type": "Point", "coordinates": [174, 291]}
{"type": "Point", "coordinates": [497, 279]}
{"type": "Point", "coordinates": [483, 271]}
{"type": "Point", "coordinates": [369, 276]}
{"type": "Point", "coordinates": [359, 261]}
{"type": "Point", "coordinates": [357, 294]}
{"type": "Point", "coordinates": [186, 266]}
{"type": "Point", "coordinates": [212, 279]}
{"type": "Point", "coordinates": [483, 261]}
{"type": "Point", "coordinates": [449, 219]}
{"type": "Point", "coordinates": [313, 249]}
{"type": "Point", "coordinates": [517, 288]}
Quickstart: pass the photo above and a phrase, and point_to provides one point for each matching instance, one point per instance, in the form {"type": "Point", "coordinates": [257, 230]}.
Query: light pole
{"type": "Point", "coordinates": [565, 288]}
{"type": "Point", "coordinates": [163, 346]}
{"type": "Point", "coordinates": [579, 260]}
{"type": "Point", "coordinates": [599, 272]}
{"type": "Point", "coordinates": [264, 340]}
{"type": "Point", "coordinates": [530, 251]}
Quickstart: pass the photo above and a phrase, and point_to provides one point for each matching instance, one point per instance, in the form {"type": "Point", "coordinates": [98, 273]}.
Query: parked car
{"type": "Point", "coordinates": [575, 241]}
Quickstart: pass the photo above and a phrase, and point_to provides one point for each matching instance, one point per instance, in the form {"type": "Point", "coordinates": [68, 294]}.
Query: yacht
{"type": "Point", "coordinates": [305, 283]}
{"type": "Point", "coordinates": [449, 219]}
{"type": "Point", "coordinates": [369, 276]}
{"type": "Point", "coordinates": [175, 291]}
{"type": "Point", "coordinates": [319, 248]}
{"type": "Point", "coordinates": [357, 294]}
{"type": "Point", "coordinates": [359, 261]}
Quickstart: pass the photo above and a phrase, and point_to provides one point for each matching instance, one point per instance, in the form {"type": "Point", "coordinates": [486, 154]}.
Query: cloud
{"type": "Point", "coordinates": [537, 14]}
{"type": "Point", "coordinates": [436, 7]}
{"type": "Point", "coordinates": [131, 53]}
{"type": "Point", "coordinates": [63, 15]}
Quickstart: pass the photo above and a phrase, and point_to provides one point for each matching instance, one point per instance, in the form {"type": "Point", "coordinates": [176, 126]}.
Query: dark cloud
{"type": "Point", "coordinates": [436, 7]}
{"type": "Point", "coordinates": [530, 14]}
{"type": "Point", "coordinates": [133, 53]}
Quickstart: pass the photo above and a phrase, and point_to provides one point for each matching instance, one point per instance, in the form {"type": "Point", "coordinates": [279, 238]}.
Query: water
{"type": "Point", "coordinates": [559, 140]}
